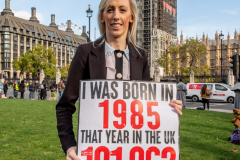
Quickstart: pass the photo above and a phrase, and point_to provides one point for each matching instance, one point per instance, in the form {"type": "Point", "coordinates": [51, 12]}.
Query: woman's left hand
{"type": "Point", "coordinates": [177, 105]}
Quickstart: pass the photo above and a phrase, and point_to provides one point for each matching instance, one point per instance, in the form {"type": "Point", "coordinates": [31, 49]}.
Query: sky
{"type": "Point", "coordinates": [193, 16]}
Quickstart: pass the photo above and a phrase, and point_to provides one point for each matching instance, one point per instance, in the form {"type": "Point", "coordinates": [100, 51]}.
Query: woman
{"type": "Point", "coordinates": [5, 88]}
{"type": "Point", "coordinates": [117, 22]}
{"type": "Point", "coordinates": [22, 89]}
{"type": "Point", "coordinates": [43, 87]}
{"type": "Point", "coordinates": [205, 96]}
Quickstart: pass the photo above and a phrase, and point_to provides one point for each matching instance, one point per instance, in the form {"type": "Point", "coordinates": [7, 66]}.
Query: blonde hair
{"type": "Point", "coordinates": [131, 37]}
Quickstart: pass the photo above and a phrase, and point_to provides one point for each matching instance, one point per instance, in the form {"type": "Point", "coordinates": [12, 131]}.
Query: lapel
{"type": "Point", "coordinates": [136, 63]}
{"type": "Point", "coordinates": [97, 62]}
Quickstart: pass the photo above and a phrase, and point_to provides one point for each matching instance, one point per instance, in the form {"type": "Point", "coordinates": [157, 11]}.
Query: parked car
{"type": "Point", "coordinates": [1, 88]}
{"type": "Point", "coordinates": [221, 92]}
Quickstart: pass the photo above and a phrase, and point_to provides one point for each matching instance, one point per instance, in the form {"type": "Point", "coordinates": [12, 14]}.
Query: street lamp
{"type": "Point", "coordinates": [221, 36]}
{"type": "Point", "coordinates": [89, 15]}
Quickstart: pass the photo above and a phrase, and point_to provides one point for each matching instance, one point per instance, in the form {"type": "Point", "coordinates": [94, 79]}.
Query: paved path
{"type": "Point", "coordinates": [213, 106]}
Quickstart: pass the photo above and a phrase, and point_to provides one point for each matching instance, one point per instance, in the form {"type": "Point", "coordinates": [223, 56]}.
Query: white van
{"type": "Point", "coordinates": [221, 92]}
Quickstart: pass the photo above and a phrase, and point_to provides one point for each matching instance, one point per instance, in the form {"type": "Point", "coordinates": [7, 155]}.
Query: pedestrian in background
{"type": "Point", "coordinates": [5, 88]}
{"type": "Point", "coordinates": [38, 90]}
{"type": "Point", "coordinates": [22, 89]}
{"type": "Point", "coordinates": [205, 96]}
{"type": "Point", "coordinates": [236, 89]}
{"type": "Point", "coordinates": [43, 88]}
{"type": "Point", "coordinates": [181, 92]}
{"type": "Point", "coordinates": [15, 89]}
{"type": "Point", "coordinates": [32, 89]}
{"type": "Point", "coordinates": [60, 89]}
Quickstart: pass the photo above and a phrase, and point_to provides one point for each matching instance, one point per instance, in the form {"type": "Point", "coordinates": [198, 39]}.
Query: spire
{"type": "Point", "coordinates": [228, 39]}
{"type": "Point", "coordinates": [216, 36]}
{"type": "Point", "coordinates": [203, 37]}
{"type": "Point", "coordinates": [7, 9]}
{"type": "Point", "coordinates": [235, 34]}
{"type": "Point", "coordinates": [181, 38]}
{"type": "Point", "coordinates": [196, 38]}
{"type": "Point", "coordinates": [207, 40]}
{"type": "Point", "coordinates": [33, 18]}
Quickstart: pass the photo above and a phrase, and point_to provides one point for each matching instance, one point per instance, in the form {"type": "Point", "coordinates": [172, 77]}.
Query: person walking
{"type": "Point", "coordinates": [43, 88]}
{"type": "Point", "coordinates": [22, 89]}
{"type": "Point", "coordinates": [15, 89]}
{"type": "Point", "coordinates": [60, 89]}
{"type": "Point", "coordinates": [181, 92]}
{"type": "Point", "coordinates": [236, 89]}
{"type": "Point", "coordinates": [5, 88]}
{"type": "Point", "coordinates": [205, 96]}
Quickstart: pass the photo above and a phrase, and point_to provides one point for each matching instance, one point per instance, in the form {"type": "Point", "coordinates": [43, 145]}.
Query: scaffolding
{"type": "Point", "coordinates": [155, 16]}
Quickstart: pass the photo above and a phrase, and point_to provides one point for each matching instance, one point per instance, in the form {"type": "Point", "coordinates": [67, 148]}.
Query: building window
{"type": "Point", "coordinates": [33, 42]}
{"type": "Point", "coordinates": [15, 37]}
{"type": "Point", "coordinates": [212, 71]}
{"type": "Point", "coordinates": [15, 55]}
{"type": "Point", "coordinates": [224, 53]}
{"type": "Point", "coordinates": [68, 37]}
{"type": "Point", "coordinates": [224, 62]}
{"type": "Point", "coordinates": [51, 33]}
{"type": "Point", "coordinates": [212, 54]}
{"type": "Point", "coordinates": [21, 39]}
{"type": "Point", "coordinates": [6, 36]}
{"type": "Point", "coordinates": [212, 62]}
{"type": "Point", "coordinates": [45, 44]}
{"type": "Point", "coordinates": [7, 45]}
{"type": "Point", "coordinates": [6, 63]}
{"type": "Point", "coordinates": [6, 28]}
{"type": "Point", "coordinates": [7, 53]}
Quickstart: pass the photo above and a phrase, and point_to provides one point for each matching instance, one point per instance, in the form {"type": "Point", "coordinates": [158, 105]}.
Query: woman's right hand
{"type": "Point", "coordinates": [71, 154]}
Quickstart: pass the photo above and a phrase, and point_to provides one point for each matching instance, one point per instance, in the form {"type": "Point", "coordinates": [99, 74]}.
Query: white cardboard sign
{"type": "Point", "coordinates": [127, 120]}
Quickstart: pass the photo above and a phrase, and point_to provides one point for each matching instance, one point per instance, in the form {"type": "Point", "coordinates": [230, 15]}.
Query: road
{"type": "Point", "coordinates": [213, 106]}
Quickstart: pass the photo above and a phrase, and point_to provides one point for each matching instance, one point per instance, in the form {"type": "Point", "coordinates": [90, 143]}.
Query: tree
{"type": "Point", "coordinates": [64, 71]}
{"type": "Point", "coordinates": [36, 59]}
{"type": "Point", "coordinates": [186, 57]}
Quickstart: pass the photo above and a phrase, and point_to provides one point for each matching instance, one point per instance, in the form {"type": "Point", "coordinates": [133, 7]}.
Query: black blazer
{"type": "Point", "coordinates": [89, 63]}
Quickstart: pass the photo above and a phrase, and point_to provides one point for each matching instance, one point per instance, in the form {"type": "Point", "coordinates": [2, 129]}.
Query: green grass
{"type": "Point", "coordinates": [28, 131]}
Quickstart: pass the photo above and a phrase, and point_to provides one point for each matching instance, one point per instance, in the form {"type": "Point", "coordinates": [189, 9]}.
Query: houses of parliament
{"type": "Point", "coordinates": [230, 46]}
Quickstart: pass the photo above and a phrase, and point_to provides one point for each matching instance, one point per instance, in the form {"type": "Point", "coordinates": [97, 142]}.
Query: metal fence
{"type": "Point", "coordinates": [52, 96]}
{"type": "Point", "coordinates": [197, 79]}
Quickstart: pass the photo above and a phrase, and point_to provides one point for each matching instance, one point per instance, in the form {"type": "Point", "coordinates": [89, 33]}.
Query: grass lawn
{"type": "Point", "coordinates": [28, 131]}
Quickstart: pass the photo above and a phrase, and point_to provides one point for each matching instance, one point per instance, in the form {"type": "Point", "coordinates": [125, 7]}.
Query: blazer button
{"type": "Point", "coordinates": [119, 55]}
{"type": "Point", "coordinates": [119, 75]}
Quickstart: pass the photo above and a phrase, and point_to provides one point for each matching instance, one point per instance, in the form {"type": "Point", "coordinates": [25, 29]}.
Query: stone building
{"type": "Point", "coordinates": [19, 35]}
{"type": "Point", "coordinates": [213, 47]}
{"type": "Point", "coordinates": [156, 28]}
